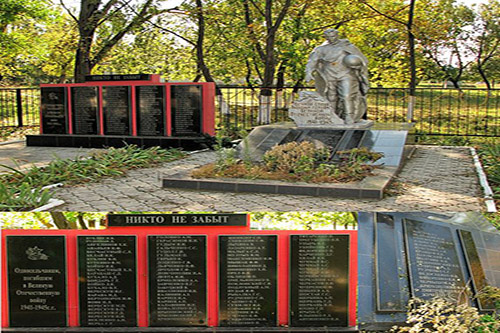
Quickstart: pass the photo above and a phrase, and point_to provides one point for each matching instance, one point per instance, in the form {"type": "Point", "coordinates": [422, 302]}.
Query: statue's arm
{"type": "Point", "coordinates": [311, 65]}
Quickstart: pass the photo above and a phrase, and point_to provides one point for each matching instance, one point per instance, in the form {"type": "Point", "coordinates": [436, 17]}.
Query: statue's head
{"type": "Point", "coordinates": [331, 35]}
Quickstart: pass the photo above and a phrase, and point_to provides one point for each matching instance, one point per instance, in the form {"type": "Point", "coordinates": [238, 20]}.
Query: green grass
{"type": "Point", "coordinates": [489, 153]}
{"type": "Point", "coordinates": [109, 163]}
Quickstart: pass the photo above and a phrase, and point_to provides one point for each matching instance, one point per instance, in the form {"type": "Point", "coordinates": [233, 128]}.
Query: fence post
{"type": "Point", "coordinates": [19, 104]}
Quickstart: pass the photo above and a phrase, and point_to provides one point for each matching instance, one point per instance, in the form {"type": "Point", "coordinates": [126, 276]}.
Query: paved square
{"type": "Point", "coordinates": [436, 179]}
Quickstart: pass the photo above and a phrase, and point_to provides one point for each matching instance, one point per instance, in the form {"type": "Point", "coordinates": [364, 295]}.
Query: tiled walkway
{"type": "Point", "coordinates": [435, 179]}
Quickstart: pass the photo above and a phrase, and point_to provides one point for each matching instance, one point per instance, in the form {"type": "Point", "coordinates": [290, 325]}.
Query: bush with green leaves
{"type": "Point", "coordinates": [440, 314]}
{"type": "Point", "coordinates": [106, 163]}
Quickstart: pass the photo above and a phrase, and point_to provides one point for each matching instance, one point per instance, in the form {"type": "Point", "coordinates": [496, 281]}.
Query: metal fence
{"type": "Point", "coordinates": [19, 107]}
{"type": "Point", "coordinates": [438, 111]}
{"type": "Point", "coordinates": [466, 112]}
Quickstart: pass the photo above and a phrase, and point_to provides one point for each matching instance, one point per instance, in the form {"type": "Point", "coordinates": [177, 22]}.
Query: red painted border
{"type": "Point", "coordinates": [212, 234]}
{"type": "Point", "coordinates": [70, 111]}
{"type": "Point", "coordinates": [208, 100]}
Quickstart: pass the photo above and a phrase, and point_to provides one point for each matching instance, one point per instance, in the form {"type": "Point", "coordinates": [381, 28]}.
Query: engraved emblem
{"type": "Point", "coordinates": [53, 96]}
{"type": "Point", "coordinates": [35, 253]}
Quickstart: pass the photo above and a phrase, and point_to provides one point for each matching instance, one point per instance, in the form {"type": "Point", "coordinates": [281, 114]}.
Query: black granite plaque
{"type": "Point", "coordinates": [433, 266]}
{"type": "Point", "coordinates": [118, 77]}
{"type": "Point", "coordinates": [181, 220]}
{"type": "Point", "coordinates": [319, 280]}
{"type": "Point", "coordinates": [85, 110]}
{"type": "Point", "coordinates": [116, 110]}
{"type": "Point", "coordinates": [186, 110]}
{"type": "Point", "coordinates": [54, 110]}
{"type": "Point", "coordinates": [390, 294]}
{"type": "Point", "coordinates": [36, 267]}
{"type": "Point", "coordinates": [107, 280]}
{"type": "Point", "coordinates": [475, 268]}
{"type": "Point", "coordinates": [177, 280]}
{"type": "Point", "coordinates": [150, 102]}
{"type": "Point", "coordinates": [247, 280]}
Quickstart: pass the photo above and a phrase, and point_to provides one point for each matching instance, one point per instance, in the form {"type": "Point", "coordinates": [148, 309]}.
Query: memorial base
{"type": "Point", "coordinates": [97, 141]}
{"type": "Point", "coordinates": [179, 329]}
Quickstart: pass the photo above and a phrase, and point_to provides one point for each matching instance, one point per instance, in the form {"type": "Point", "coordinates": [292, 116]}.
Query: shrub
{"type": "Point", "coordinates": [442, 315]}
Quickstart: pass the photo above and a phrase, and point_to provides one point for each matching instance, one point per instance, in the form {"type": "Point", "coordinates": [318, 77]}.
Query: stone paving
{"type": "Point", "coordinates": [437, 179]}
{"type": "Point", "coordinates": [17, 155]}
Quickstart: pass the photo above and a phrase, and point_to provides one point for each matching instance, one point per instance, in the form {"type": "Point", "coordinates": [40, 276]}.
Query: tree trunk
{"type": "Point", "coordinates": [86, 29]}
{"type": "Point", "coordinates": [413, 67]}
{"type": "Point", "coordinates": [61, 221]}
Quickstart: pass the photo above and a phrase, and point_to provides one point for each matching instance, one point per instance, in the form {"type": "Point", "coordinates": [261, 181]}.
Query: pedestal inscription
{"type": "Point", "coordinates": [36, 268]}
{"type": "Point", "coordinates": [186, 110]}
{"type": "Point", "coordinates": [319, 287]}
{"type": "Point", "coordinates": [150, 110]}
{"type": "Point", "coordinates": [85, 110]}
{"type": "Point", "coordinates": [177, 280]}
{"type": "Point", "coordinates": [475, 268]}
{"type": "Point", "coordinates": [116, 109]}
{"type": "Point", "coordinates": [390, 294]}
{"type": "Point", "coordinates": [247, 280]}
{"type": "Point", "coordinates": [54, 110]}
{"type": "Point", "coordinates": [107, 275]}
{"type": "Point", "coordinates": [433, 263]}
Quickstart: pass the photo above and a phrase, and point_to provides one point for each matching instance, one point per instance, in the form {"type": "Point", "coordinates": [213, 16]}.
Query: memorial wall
{"type": "Point", "coordinates": [405, 255]}
{"type": "Point", "coordinates": [178, 270]}
{"type": "Point", "coordinates": [109, 110]}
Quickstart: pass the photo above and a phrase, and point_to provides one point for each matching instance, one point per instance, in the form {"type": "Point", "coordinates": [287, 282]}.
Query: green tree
{"type": "Point", "coordinates": [485, 40]}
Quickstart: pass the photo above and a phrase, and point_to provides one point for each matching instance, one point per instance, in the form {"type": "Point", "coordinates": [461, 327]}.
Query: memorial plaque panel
{"type": "Point", "coordinates": [390, 294]}
{"type": "Point", "coordinates": [181, 220]}
{"type": "Point", "coordinates": [319, 288]}
{"type": "Point", "coordinates": [85, 110]}
{"type": "Point", "coordinates": [36, 267]}
{"type": "Point", "coordinates": [54, 110]}
{"type": "Point", "coordinates": [150, 102]}
{"type": "Point", "coordinates": [177, 280]}
{"type": "Point", "coordinates": [107, 280]}
{"type": "Point", "coordinates": [247, 280]}
{"type": "Point", "coordinates": [433, 264]}
{"type": "Point", "coordinates": [186, 110]}
{"type": "Point", "coordinates": [475, 267]}
{"type": "Point", "coordinates": [116, 109]}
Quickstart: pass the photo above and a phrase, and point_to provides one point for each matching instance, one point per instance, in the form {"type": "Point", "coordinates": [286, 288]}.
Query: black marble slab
{"type": "Point", "coordinates": [390, 293]}
{"type": "Point", "coordinates": [107, 280]}
{"type": "Point", "coordinates": [97, 141]}
{"type": "Point", "coordinates": [182, 330]}
{"type": "Point", "coordinates": [186, 109]}
{"type": "Point", "coordinates": [475, 268]}
{"type": "Point", "coordinates": [248, 280]}
{"type": "Point", "coordinates": [177, 280]}
{"type": "Point", "coordinates": [116, 110]}
{"type": "Point", "coordinates": [54, 110]}
{"type": "Point", "coordinates": [36, 270]}
{"type": "Point", "coordinates": [433, 265]}
{"type": "Point", "coordinates": [85, 110]}
{"type": "Point", "coordinates": [319, 280]}
{"type": "Point", "coordinates": [150, 101]}
{"type": "Point", "coordinates": [180, 220]}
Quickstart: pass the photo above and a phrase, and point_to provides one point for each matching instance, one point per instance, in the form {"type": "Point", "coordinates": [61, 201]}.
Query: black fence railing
{"type": "Point", "coordinates": [19, 107]}
{"type": "Point", "coordinates": [437, 111]}
{"type": "Point", "coordinates": [451, 112]}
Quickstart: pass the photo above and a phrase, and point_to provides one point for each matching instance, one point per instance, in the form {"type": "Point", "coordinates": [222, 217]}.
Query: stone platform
{"type": "Point", "coordinates": [98, 141]}
{"type": "Point", "coordinates": [390, 142]}
{"type": "Point", "coordinates": [180, 329]}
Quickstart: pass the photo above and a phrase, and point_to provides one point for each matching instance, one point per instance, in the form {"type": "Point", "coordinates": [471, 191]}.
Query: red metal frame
{"type": "Point", "coordinates": [212, 234]}
{"type": "Point", "coordinates": [208, 100]}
